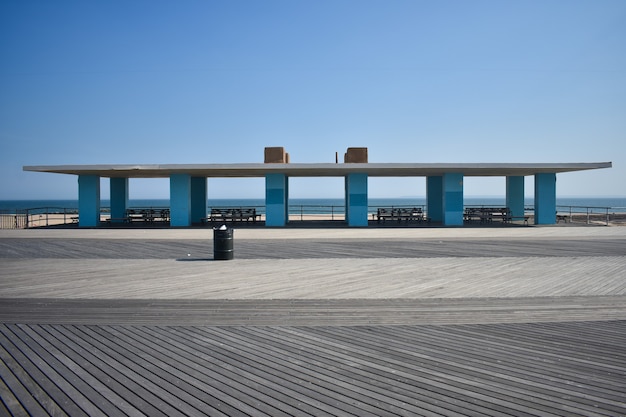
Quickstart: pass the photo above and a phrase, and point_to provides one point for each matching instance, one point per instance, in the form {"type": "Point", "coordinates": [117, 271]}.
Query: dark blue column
{"type": "Point", "coordinates": [515, 195]}
{"type": "Point", "coordinates": [180, 200]}
{"type": "Point", "coordinates": [88, 200]}
{"type": "Point", "coordinates": [356, 199]}
{"type": "Point", "coordinates": [452, 199]}
{"type": "Point", "coordinates": [545, 198]}
{"type": "Point", "coordinates": [276, 200]}
{"type": "Point", "coordinates": [119, 199]}
{"type": "Point", "coordinates": [434, 198]}
{"type": "Point", "coordinates": [198, 199]}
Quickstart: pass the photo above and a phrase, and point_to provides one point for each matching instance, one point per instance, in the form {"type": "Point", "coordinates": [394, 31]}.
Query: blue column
{"type": "Point", "coordinates": [545, 198]}
{"type": "Point", "coordinates": [198, 199]}
{"type": "Point", "coordinates": [434, 198]}
{"type": "Point", "coordinates": [119, 199]}
{"type": "Point", "coordinates": [356, 200]}
{"type": "Point", "coordinates": [452, 199]}
{"type": "Point", "coordinates": [276, 200]}
{"type": "Point", "coordinates": [88, 200]}
{"type": "Point", "coordinates": [515, 195]}
{"type": "Point", "coordinates": [180, 200]}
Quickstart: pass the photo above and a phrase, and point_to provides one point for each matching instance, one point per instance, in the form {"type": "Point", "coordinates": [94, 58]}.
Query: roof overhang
{"type": "Point", "coordinates": [318, 169]}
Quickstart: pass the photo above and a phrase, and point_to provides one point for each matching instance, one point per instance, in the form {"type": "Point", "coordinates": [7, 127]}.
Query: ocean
{"type": "Point", "coordinates": [577, 204]}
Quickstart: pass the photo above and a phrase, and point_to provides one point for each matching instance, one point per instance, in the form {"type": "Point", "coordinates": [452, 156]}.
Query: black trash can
{"type": "Point", "coordinates": [223, 244]}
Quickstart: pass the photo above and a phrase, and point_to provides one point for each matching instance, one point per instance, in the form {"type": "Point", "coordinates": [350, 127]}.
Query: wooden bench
{"type": "Point", "coordinates": [117, 220]}
{"type": "Point", "coordinates": [524, 218]}
{"type": "Point", "coordinates": [487, 214]}
{"type": "Point", "coordinates": [562, 217]}
{"type": "Point", "coordinates": [218, 215]}
{"type": "Point", "coordinates": [400, 214]}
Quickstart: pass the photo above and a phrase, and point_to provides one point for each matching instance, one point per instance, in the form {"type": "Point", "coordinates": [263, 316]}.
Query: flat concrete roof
{"type": "Point", "coordinates": [318, 169]}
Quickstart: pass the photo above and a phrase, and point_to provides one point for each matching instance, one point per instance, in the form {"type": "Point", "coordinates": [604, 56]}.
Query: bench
{"type": "Point", "coordinates": [524, 218]}
{"type": "Point", "coordinates": [400, 214]}
{"type": "Point", "coordinates": [231, 214]}
{"type": "Point", "coordinates": [562, 217]}
{"type": "Point", "coordinates": [118, 220]}
{"type": "Point", "coordinates": [487, 214]}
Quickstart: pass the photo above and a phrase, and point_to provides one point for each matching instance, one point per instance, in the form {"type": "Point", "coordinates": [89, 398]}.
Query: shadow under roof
{"type": "Point", "coordinates": [318, 169]}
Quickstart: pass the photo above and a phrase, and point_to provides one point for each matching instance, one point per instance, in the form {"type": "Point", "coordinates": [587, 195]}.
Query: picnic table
{"type": "Point", "coordinates": [400, 214]}
{"type": "Point", "coordinates": [232, 214]}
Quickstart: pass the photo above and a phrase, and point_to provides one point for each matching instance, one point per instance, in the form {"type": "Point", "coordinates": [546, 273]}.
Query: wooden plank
{"type": "Point", "coordinates": [271, 396]}
{"type": "Point", "coordinates": [85, 392]}
{"type": "Point", "coordinates": [53, 399]}
{"type": "Point", "coordinates": [277, 379]}
{"type": "Point", "coordinates": [428, 370]}
{"type": "Point", "coordinates": [104, 368]}
{"type": "Point", "coordinates": [313, 312]}
{"type": "Point", "coordinates": [317, 365]}
{"type": "Point", "coordinates": [144, 369]}
{"type": "Point", "coordinates": [308, 248]}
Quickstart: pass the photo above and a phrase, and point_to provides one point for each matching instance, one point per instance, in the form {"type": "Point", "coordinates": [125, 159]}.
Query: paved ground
{"type": "Point", "coordinates": [387, 321]}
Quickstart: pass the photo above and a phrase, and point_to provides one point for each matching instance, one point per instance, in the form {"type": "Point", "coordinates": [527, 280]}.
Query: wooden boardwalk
{"type": "Point", "coordinates": [462, 325]}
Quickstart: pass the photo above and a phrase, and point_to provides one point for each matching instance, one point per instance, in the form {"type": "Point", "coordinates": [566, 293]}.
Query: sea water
{"type": "Point", "coordinates": [615, 204]}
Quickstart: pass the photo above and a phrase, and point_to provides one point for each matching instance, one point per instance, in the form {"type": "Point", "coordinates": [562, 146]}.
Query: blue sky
{"type": "Point", "coordinates": [115, 82]}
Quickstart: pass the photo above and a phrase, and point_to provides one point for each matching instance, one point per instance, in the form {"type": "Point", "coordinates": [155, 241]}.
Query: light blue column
{"type": "Point", "coordinates": [434, 198]}
{"type": "Point", "coordinates": [180, 200]}
{"type": "Point", "coordinates": [276, 200]}
{"type": "Point", "coordinates": [198, 199]}
{"type": "Point", "coordinates": [119, 199]}
{"type": "Point", "coordinates": [356, 200]}
{"type": "Point", "coordinates": [545, 198]}
{"type": "Point", "coordinates": [88, 200]}
{"type": "Point", "coordinates": [452, 199]}
{"type": "Point", "coordinates": [515, 195]}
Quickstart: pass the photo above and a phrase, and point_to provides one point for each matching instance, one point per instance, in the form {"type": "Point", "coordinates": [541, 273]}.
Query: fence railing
{"type": "Point", "coordinates": [589, 215]}
{"type": "Point", "coordinates": [13, 220]}
{"type": "Point", "coordinates": [52, 216]}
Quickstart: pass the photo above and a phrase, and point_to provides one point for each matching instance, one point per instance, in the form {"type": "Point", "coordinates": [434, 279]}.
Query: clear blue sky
{"type": "Point", "coordinates": [115, 82]}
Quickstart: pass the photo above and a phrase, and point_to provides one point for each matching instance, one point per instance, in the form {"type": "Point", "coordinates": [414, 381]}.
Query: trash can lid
{"type": "Point", "coordinates": [223, 227]}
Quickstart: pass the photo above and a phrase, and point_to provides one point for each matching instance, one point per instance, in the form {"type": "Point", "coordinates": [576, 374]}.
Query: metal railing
{"type": "Point", "coordinates": [57, 216]}
{"type": "Point", "coordinates": [12, 219]}
{"type": "Point", "coordinates": [588, 215]}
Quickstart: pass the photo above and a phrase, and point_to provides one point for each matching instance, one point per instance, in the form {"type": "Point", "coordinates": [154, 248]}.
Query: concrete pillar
{"type": "Point", "coordinates": [434, 198]}
{"type": "Point", "coordinates": [515, 195]}
{"type": "Point", "coordinates": [88, 200]}
{"type": "Point", "coordinates": [356, 200]}
{"type": "Point", "coordinates": [452, 199]}
{"type": "Point", "coordinates": [198, 199]}
{"type": "Point", "coordinates": [180, 200]}
{"type": "Point", "coordinates": [119, 199]}
{"type": "Point", "coordinates": [276, 200]}
{"type": "Point", "coordinates": [545, 198]}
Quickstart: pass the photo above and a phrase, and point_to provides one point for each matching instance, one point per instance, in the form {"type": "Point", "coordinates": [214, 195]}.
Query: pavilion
{"type": "Point", "coordinates": [444, 185]}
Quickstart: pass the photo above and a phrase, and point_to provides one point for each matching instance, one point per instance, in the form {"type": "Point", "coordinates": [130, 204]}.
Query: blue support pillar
{"type": "Point", "coordinates": [545, 198]}
{"type": "Point", "coordinates": [515, 195]}
{"type": "Point", "coordinates": [180, 200]}
{"type": "Point", "coordinates": [198, 199]}
{"type": "Point", "coordinates": [356, 200]}
{"type": "Point", "coordinates": [452, 199]}
{"type": "Point", "coordinates": [276, 200]}
{"type": "Point", "coordinates": [119, 199]}
{"type": "Point", "coordinates": [88, 200]}
{"type": "Point", "coordinates": [434, 198]}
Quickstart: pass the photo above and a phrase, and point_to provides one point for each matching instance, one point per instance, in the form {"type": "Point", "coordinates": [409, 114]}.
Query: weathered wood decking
{"type": "Point", "coordinates": [523, 369]}
{"type": "Point", "coordinates": [458, 326]}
